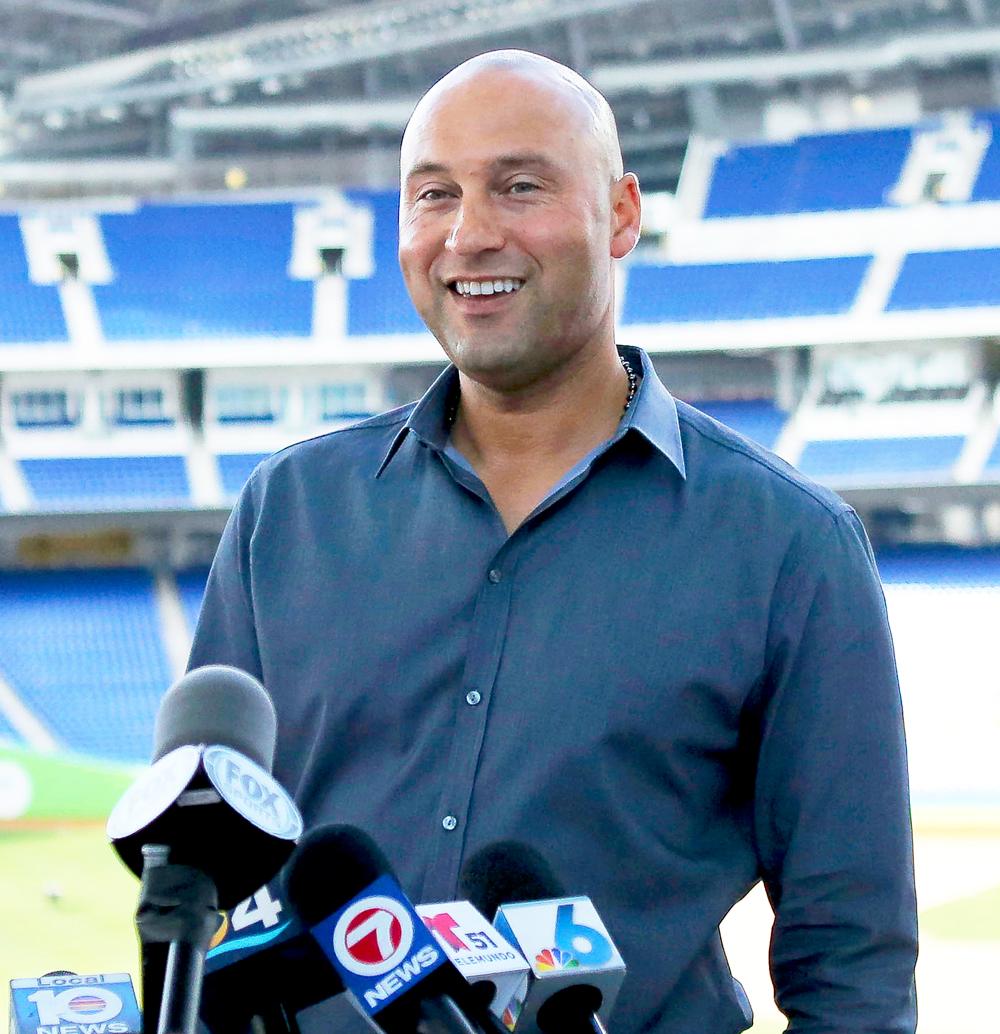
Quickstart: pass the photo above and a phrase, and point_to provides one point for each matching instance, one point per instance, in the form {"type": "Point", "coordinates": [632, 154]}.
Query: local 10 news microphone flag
{"type": "Point", "coordinates": [67, 1003]}
{"type": "Point", "coordinates": [395, 973]}
{"type": "Point", "coordinates": [576, 969]}
{"type": "Point", "coordinates": [204, 826]}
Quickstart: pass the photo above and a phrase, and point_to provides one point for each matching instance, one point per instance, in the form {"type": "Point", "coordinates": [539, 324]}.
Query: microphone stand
{"type": "Point", "coordinates": [177, 913]}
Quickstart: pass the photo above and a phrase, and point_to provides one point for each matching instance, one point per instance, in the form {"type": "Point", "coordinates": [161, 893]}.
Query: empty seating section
{"type": "Point", "coordinates": [83, 651]}
{"type": "Point", "coordinates": [939, 565]}
{"type": "Point", "coordinates": [992, 466]}
{"type": "Point", "coordinates": [30, 312]}
{"type": "Point", "coordinates": [191, 589]}
{"type": "Point", "coordinates": [235, 468]}
{"type": "Point", "coordinates": [380, 304]}
{"type": "Point", "coordinates": [864, 460]}
{"type": "Point", "coordinates": [987, 185]}
{"type": "Point", "coordinates": [759, 419]}
{"type": "Point", "coordinates": [741, 290]}
{"type": "Point", "coordinates": [947, 279]}
{"type": "Point", "coordinates": [7, 731]}
{"type": "Point", "coordinates": [108, 482]}
{"type": "Point", "coordinates": [829, 172]}
{"type": "Point", "coordinates": [196, 271]}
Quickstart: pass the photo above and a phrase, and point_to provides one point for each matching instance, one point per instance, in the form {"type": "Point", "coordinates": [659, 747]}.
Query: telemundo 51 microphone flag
{"type": "Point", "coordinates": [102, 1003]}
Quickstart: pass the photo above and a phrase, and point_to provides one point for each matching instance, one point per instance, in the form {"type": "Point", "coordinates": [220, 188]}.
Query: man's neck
{"type": "Point", "coordinates": [558, 420]}
{"type": "Point", "coordinates": [523, 443]}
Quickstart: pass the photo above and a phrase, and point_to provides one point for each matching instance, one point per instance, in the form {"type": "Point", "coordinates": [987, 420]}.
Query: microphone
{"type": "Point", "coordinates": [493, 968]}
{"type": "Point", "coordinates": [263, 963]}
{"type": "Point", "coordinates": [209, 796]}
{"type": "Point", "coordinates": [395, 972]}
{"type": "Point", "coordinates": [576, 967]}
{"type": "Point", "coordinates": [205, 825]}
{"type": "Point", "coordinates": [61, 1000]}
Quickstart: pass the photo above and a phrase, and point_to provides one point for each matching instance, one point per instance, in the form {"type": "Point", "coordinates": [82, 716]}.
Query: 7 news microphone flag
{"type": "Point", "coordinates": [394, 970]}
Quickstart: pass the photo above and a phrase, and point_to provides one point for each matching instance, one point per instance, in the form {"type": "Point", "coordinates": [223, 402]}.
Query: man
{"type": "Point", "coordinates": [549, 603]}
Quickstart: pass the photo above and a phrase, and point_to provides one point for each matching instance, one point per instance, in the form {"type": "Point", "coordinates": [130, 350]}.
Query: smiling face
{"type": "Point", "coordinates": [510, 216]}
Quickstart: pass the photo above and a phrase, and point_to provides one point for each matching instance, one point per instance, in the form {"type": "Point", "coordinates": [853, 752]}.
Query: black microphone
{"type": "Point", "coordinates": [344, 890]}
{"type": "Point", "coordinates": [205, 825]}
{"type": "Point", "coordinates": [264, 964]}
{"type": "Point", "coordinates": [576, 968]}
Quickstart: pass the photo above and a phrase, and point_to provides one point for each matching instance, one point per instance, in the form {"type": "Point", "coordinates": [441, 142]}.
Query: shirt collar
{"type": "Point", "coordinates": [653, 414]}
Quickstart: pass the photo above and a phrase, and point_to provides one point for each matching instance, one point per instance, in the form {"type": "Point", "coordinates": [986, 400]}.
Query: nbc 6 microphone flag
{"type": "Point", "coordinates": [565, 941]}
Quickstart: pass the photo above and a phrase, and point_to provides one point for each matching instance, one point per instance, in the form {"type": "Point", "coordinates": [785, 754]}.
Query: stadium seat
{"type": "Point", "coordinates": [31, 313]}
{"type": "Point", "coordinates": [197, 271]}
{"type": "Point", "coordinates": [947, 280]}
{"type": "Point", "coordinates": [822, 173]}
{"type": "Point", "coordinates": [108, 482]}
{"type": "Point", "coordinates": [191, 589]}
{"type": "Point", "coordinates": [83, 651]}
{"type": "Point", "coordinates": [865, 459]}
{"type": "Point", "coordinates": [236, 468]}
{"type": "Point", "coordinates": [741, 290]}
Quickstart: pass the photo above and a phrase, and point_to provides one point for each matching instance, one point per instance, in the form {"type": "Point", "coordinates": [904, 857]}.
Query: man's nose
{"type": "Point", "coordinates": [475, 229]}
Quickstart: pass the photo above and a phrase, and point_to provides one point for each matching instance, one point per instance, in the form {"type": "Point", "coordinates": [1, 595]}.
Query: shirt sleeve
{"type": "Point", "coordinates": [226, 632]}
{"type": "Point", "coordinates": [832, 815]}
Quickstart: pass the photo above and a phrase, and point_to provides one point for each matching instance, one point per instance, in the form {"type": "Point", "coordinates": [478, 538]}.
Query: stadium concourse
{"type": "Point", "coordinates": [834, 297]}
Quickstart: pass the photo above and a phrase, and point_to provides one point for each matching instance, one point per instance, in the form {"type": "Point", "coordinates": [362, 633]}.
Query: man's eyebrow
{"type": "Point", "coordinates": [500, 163]}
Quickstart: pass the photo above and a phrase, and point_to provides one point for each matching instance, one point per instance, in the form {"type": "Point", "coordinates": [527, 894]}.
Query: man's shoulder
{"type": "Point", "coordinates": [354, 444]}
{"type": "Point", "coordinates": [729, 463]}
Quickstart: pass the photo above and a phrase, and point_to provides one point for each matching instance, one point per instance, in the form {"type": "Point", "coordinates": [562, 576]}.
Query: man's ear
{"type": "Point", "coordinates": [626, 215]}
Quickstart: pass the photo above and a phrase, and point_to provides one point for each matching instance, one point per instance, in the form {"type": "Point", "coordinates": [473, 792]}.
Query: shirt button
{"type": "Point", "coordinates": [449, 822]}
{"type": "Point", "coordinates": [473, 697]}
{"type": "Point", "coordinates": [495, 575]}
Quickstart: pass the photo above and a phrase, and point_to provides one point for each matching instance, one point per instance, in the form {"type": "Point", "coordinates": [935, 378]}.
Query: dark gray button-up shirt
{"type": "Point", "coordinates": [674, 679]}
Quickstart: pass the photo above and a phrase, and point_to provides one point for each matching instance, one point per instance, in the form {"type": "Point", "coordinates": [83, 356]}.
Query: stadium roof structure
{"type": "Point", "coordinates": [139, 91]}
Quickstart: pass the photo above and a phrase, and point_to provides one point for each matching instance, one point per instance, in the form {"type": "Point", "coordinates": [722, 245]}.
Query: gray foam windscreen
{"type": "Point", "coordinates": [217, 704]}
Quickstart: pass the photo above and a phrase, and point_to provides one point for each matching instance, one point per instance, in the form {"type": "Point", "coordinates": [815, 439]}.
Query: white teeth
{"type": "Point", "coordinates": [487, 287]}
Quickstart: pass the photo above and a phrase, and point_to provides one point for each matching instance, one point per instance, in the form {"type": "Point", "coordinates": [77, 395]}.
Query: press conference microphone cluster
{"type": "Point", "coordinates": [204, 826]}
{"type": "Point", "coordinates": [398, 977]}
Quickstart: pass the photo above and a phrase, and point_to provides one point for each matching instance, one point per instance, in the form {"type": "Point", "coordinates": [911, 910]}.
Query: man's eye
{"type": "Point", "coordinates": [523, 187]}
{"type": "Point", "coordinates": [433, 194]}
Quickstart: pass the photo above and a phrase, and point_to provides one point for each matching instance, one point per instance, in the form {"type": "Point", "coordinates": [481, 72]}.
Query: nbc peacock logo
{"type": "Point", "coordinates": [555, 958]}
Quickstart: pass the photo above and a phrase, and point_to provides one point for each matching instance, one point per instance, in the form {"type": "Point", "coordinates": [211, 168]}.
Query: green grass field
{"type": "Point", "coordinates": [68, 904]}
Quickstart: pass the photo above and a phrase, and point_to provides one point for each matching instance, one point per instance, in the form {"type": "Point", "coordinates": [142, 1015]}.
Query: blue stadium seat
{"type": "Point", "coordinates": [823, 173]}
{"type": "Point", "coordinates": [380, 304]}
{"type": "Point", "coordinates": [194, 271]}
{"type": "Point", "coordinates": [992, 465]}
{"type": "Point", "coordinates": [191, 589]}
{"type": "Point", "coordinates": [939, 565]}
{"type": "Point", "coordinates": [947, 280]}
{"type": "Point", "coordinates": [83, 651]}
{"type": "Point", "coordinates": [108, 482]}
{"type": "Point", "coordinates": [741, 290]}
{"type": "Point", "coordinates": [863, 459]}
{"type": "Point", "coordinates": [236, 468]}
{"type": "Point", "coordinates": [987, 185]}
{"type": "Point", "coordinates": [7, 732]}
{"type": "Point", "coordinates": [30, 313]}
{"type": "Point", "coordinates": [758, 419]}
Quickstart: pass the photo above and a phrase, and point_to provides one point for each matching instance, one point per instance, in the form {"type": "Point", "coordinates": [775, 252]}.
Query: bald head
{"type": "Point", "coordinates": [584, 107]}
